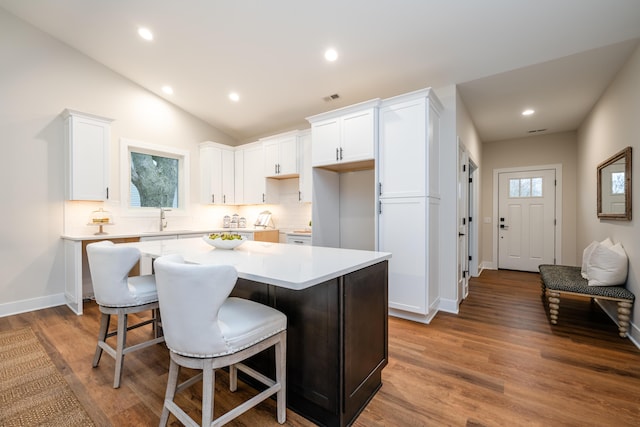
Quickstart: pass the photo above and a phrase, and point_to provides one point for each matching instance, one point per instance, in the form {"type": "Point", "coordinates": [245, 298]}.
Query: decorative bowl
{"type": "Point", "coordinates": [219, 243]}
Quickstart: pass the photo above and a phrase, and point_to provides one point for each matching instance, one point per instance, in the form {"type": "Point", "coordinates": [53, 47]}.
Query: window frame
{"type": "Point", "coordinates": [129, 145]}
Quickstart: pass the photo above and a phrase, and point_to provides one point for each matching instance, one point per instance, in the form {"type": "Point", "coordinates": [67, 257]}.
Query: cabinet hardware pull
{"type": "Point", "coordinates": [379, 189]}
{"type": "Point", "coordinates": [379, 207]}
{"type": "Point", "coordinates": [299, 195]}
{"type": "Point", "coordinates": [224, 198]}
{"type": "Point", "coordinates": [341, 153]}
{"type": "Point", "coordinates": [213, 198]}
{"type": "Point", "coordinates": [262, 197]}
{"type": "Point", "coordinates": [337, 154]}
{"type": "Point", "coordinates": [107, 193]}
{"type": "Point", "coordinates": [275, 168]}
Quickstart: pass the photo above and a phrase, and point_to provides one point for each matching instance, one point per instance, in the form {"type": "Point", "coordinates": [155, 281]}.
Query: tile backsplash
{"type": "Point", "coordinates": [288, 215]}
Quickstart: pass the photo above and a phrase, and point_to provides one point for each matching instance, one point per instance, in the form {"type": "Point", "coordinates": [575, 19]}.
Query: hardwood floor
{"type": "Point", "coordinates": [497, 363]}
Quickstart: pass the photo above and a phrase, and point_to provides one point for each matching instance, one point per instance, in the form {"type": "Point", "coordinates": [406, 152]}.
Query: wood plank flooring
{"type": "Point", "coordinates": [497, 363]}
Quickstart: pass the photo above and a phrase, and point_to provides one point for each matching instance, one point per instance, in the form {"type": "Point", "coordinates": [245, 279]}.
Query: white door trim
{"type": "Point", "coordinates": [558, 213]}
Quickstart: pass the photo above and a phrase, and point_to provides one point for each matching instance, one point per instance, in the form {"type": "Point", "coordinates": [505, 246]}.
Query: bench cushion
{"type": "Point", "coordinates": [566, 278]}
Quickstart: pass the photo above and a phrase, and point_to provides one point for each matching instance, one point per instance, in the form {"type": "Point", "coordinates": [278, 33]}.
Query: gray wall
{"type": "Point", "coordinates": [555, 148]}
{"type": "Point", "coordinates": [612, 125]}
{"type": "Point", "coordinates": [39, 78]}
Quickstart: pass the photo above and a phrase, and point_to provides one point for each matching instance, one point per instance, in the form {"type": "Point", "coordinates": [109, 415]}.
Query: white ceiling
{"type": "Point", "coordinates": [554, 56]}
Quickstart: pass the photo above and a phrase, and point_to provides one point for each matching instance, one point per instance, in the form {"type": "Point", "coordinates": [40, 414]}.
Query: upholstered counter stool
{"type": "Point", "coordinates": [205, 329]}
{"type": "Point", "coordinates": [118, 294]}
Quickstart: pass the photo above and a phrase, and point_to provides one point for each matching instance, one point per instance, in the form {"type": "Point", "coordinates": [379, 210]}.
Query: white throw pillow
{"type": "Point", "coordinates": [607, 266]}
{"type": "Point", "coordinates": [587, 253]}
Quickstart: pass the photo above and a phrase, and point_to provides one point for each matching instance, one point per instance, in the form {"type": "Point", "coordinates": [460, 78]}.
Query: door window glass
{"type": "Point", "coordinates": [525, 187]}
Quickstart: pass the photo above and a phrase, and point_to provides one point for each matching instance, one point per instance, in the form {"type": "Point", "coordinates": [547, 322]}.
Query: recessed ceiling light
{"type": "Point", "coordinates": [234, 97]}
{"type": "Point", "coordinates": [330, 55]}
{"type": "Point", "coordinates": [145, 33]}
{"type": "Point", "coordinates": [168, 90]}
{"type": "Point", "coordinates": [528, 112]}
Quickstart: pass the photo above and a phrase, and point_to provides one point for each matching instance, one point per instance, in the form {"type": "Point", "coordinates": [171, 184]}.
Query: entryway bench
{"type": "Point", "coordinates": [563, 279]}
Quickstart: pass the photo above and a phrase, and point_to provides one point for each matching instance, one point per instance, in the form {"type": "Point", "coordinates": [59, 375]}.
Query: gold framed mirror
{"type": "Point", "coordinates": [614, 187]}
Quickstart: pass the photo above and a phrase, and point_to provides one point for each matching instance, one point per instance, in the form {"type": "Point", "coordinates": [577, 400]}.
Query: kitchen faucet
{"type": "Point", "coordinates": [163, 220]}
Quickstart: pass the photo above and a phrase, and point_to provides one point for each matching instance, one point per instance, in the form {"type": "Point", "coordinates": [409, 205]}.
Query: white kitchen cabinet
{"type": "Point", "coordinates": [344, 136]}
{"type": "Point", "coordinates": [305, 181]}
{"type": "Point", "coordinates": [217, 164]}
{"type": "Point", "coordinates": [409, 202]}
{"type": "Point", "coordinates": [87, 141]}
{"type": "Point", "coordinates": [256, 188]}
{"type": "Point", "coordinates": [294, 239]}
{"type": "Point", "coordinates": [281, 155]}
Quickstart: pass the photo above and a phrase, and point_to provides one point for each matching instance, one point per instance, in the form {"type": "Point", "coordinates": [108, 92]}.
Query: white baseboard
{"type": "Point", "coordinates": [611, 309]}
{"type": "Point", "coordinates": [448, 306]}
{"type": "Point", "coordinates": [421, 318]}
{"type": "Point", "coordinates": [488, 265]}
{"type": "Point", "coordinates": [32, 304]}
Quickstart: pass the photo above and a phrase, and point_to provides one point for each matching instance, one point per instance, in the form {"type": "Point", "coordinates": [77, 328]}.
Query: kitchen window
{"type": "Point", "coordinates": [153, 176]}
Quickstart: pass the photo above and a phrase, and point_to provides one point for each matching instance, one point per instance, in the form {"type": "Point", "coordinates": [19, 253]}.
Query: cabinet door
{"type": "Point", "coordinates": [211, 175]}
{"type": "Point", "coordinates": [271, 157]}
{"type": "Point", "coordinates": [358, 136]}
{"type": "Point", "coordinates": [288, 160]}
{"type": "Point", "coordinates": [228, 177]}
{"type": "Point", "coordinates": [254, 178]}
{"type": "Point", "coordinates": [325, 142]}
{"type": "Point", "coordinates": [238, 172]}
{"type": "Point", "coordinates": [306, 175]}
{"type": "Point", "coordinates": [88, 158]}
{"type": "Point", "coordinates": [401, 231]}
{"type": "Point", "coordinates": [401, 150]}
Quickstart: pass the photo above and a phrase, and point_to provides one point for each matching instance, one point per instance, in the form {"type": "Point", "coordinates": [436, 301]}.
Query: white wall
{"type": "Point", "coordinates": [611, 126]}
{"type": "Point", "coordinates": [39, 78]}
{"type": "Point", "coordinates": [448, 232]}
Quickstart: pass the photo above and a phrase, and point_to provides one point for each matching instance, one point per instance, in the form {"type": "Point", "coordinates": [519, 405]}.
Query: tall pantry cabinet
{"type": "Point", "coordinates": [409, 201]}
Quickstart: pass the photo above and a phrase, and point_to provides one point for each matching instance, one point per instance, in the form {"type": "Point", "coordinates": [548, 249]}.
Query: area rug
{"type": "Point", "coordinates": [32, 391]}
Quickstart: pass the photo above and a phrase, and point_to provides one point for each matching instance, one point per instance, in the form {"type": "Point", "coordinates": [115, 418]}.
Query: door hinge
{"type": "Point", "coordinates": [470, 180]}
{"type": "Point", "coordinates": [464, 221]}
{"type": "Point", "coordinates": [470, 258]}
{"type": "Point", "coordinates": [470, 219]}
{"type": "Point", "coordinates": [464, 168]}
{"type": "Point", "coordinates": [554, 221]}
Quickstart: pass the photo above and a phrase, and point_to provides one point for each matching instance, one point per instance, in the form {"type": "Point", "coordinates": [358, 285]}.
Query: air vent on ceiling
{"type": "Point", "coordinates": [331, 97]}
{"type": "Point", "coordinates": [536, 130]}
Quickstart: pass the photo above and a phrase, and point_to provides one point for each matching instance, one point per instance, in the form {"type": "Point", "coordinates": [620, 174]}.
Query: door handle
{"type": "Point", "coordinates": [460, 234]}
{"type": "Point", "coordinates": [504, 227]}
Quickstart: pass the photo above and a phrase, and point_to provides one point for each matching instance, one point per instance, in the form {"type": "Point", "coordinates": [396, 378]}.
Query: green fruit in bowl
{"type": "Point", "coordinates": [225, 236]}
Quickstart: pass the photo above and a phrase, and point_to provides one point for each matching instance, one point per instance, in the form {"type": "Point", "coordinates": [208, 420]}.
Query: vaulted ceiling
{"type": "Point", "coordinates": [556, 57]}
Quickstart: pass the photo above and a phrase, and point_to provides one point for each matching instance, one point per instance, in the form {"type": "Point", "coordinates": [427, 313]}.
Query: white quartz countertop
{"type": "Point", "coordinates": [201, 231]}
{"type": "Point", "coordinates": [288, 266]}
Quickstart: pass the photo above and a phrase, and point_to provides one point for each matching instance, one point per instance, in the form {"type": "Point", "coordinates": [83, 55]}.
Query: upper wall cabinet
{"type": "Point", "coordinates": [281, 155]}
{"type": "Point", "coordinates": [345, 136]}
{"type": "Point", "coordinates": [87, 138]}
{"type": "Point", "coordinates": [252, 183]}
{"type": "Point", "coordinates": [217, 163]}
{"type": "Point", "coordinates": [409, 149]}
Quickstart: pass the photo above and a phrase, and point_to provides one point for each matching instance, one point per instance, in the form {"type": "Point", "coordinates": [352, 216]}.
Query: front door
{"type": "Point", "coordinates": [526, 219]}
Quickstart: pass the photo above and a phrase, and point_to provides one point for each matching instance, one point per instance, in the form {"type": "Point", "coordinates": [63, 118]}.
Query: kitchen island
{"type": "Point", "coordinates": [335, 301]}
